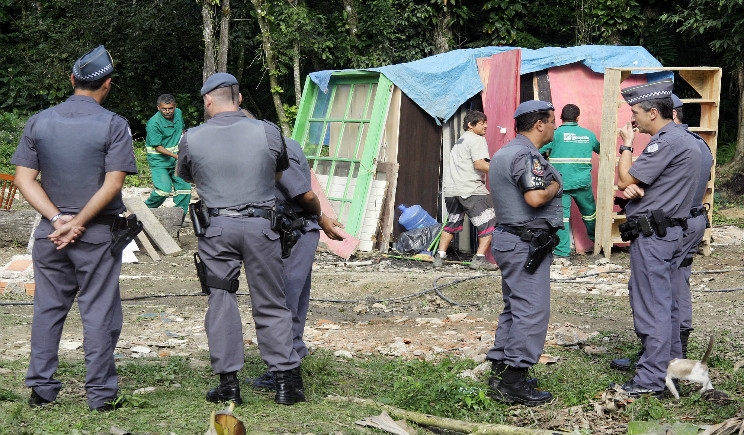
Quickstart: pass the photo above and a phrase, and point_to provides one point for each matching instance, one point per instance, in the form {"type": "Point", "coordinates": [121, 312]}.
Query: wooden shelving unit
{"type": "Point", "coordinates": [706, 81]}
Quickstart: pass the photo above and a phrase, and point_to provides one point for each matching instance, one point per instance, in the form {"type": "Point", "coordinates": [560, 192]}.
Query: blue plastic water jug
{"type": "Point", "coordinates": [414, 217]}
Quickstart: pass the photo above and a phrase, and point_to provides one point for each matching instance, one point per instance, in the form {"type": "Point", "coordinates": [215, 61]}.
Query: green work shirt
{"type": "Point", "coordinates": [571, 154]}
{"type": "Point", "coordinates": [161, 131]}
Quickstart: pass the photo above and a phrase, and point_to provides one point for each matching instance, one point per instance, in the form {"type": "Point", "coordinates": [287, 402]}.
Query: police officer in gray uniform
{"type": "Point", "coordinates": [294, 192]}
{"type": "Point", "coordinates": [697, 222]}
{"type": "Point", "coordinates": [660, 191]}
{"type": "Point", "coordinates": [526, 192]}
{"type": "Point", "coordinates": [234, 164]}
{"type": "Point", "coordinates": [83, 153]}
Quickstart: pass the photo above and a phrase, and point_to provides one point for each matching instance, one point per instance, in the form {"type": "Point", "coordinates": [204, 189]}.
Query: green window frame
{"type": "Point", "coordinates": [340, 132]}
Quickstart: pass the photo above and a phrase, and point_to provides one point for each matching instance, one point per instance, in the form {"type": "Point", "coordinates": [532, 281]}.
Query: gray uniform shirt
{"type": "Point", "coordinates": [295, 180]}
{"type": "Point", "coordinates": [664, 168]}
{"type": "Point", "coordinates": [706, 163]}
{"type": "Point", "coordinates": [460, 178]}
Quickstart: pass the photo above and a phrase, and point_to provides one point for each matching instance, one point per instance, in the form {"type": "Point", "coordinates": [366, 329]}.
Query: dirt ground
{"type": "Point", "coordinates": [376, 304]}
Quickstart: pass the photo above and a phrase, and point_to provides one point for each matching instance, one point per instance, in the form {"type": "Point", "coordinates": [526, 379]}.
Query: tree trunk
{"type": "Point", "coordinates": [208, 23]}
{"type": "Point", "coordinates": [737, 163]}
{"type": "Point", "coordinates": [261, 11]}
{"type": "Point", "coordinates": [296, 69]}
{"type": "Point", "coordinates": [352, 20]}
{"type": "Point", "coordinates": [224, 36]}
{"type": "Point", "coordinates": [442, 32]}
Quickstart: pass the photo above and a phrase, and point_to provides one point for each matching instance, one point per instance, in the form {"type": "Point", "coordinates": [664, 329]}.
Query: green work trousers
{"type": "Point", "coordinates": [166, 181]}
{"type": "Point", "coordinates": [585, 201]}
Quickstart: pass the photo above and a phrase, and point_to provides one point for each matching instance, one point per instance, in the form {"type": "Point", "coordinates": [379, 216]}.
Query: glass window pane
{"type": "Point", "coordinates": [364, 128]}
{"type": "Point", "coordinates": [359, 102]}
{"type": "Point", "coordinates": [322, 167]}
{"type": "Point", "coordinates": [340, 100]}
{"type": "Point", "coordinates": [321, 104]}
{"type": "Point", "coordinates": [315, 132]}
{"type": "Point", "coordinates": [334, 138]}
{"type": "Point", "coordinates": [371, 104]}
{"type": "Point", "coordinates": [347, 149]}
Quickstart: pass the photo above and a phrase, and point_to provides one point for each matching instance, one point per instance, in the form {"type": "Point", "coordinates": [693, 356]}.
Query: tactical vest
{"type": "Point", "coordinates": [72, 158]}
{"type": "Point", "coordinates": [232, 165]}
{"type": "Point", "coordinates": [705, 167]}
{"type": "Point", "coordinates": [509, 203]}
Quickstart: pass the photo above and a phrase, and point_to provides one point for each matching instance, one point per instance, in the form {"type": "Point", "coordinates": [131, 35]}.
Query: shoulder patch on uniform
{"type": "Point", "coordinates": [537, 167]}
{"type": "Point", "coordinates": [652, 147]}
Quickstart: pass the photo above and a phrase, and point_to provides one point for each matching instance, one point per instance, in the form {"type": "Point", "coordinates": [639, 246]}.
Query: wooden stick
{"type": "Point", "coordinates": [447, 423]}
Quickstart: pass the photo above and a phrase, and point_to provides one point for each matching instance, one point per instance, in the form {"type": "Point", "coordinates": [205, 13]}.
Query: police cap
{"type": "Point", "coordinates": [647, 91]}
{"type": "Point", "coordinates": [93, 65]}
{"type": "Point", "coordinates": [218, 80]}
{"type": "Point", "coordinates": [676, 102]}
{"type": "Point", "coordinates": [532, 106]}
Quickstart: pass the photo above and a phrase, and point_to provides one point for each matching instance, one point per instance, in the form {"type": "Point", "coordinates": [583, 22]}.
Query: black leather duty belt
{"type": "Point", "coordinates": [521, 232]}
{"type": "Point", "coordinates": [247, 212]}
{"type": "Point", "coordinates": [698, 211]}
{"type": "Point", "coordinates": [104, 219]}
{"type": "Point", "coordinates": [675, 222]}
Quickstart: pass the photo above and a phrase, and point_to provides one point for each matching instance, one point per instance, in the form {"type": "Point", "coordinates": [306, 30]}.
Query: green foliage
{"type": "Point", "coordinates": [720, 21]}
{"type": "Point", "coordinates": [604, 22]}
{"type": "Point", "coordinates": [290, 114]}
{"type": "Point", "coordinates": [437, 388]}
{"type": "Point", "coordinates": [11, 129]}
{"type": "Point", "coordinates": [647, 408]}
{"type": "Point", "coordinates": [504, 20]}
{"type": "Point", "coordinates": [143, 177]}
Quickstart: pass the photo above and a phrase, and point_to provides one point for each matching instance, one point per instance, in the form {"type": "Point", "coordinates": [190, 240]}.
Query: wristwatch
{"type": "Point", "coordinates": [623, 148]}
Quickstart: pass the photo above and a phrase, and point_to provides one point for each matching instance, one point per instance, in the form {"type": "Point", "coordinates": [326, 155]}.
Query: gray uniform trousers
{"type": "Point", "coordinates": [681, 275]}
{"type": "Point", "coordinates": [523, 324]}
{"type": "Point", "coordinates": [90, 271]}
{"type": "Point", "coordinates": [297, 281]}
{"type": "Point", "coordinates": [653, 301]}
{"type": "Point", "coordinates": [229, 242]}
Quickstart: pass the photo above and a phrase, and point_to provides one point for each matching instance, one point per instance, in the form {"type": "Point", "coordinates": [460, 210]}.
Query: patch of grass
{"type": "Point", "coordinates": [177, 403]}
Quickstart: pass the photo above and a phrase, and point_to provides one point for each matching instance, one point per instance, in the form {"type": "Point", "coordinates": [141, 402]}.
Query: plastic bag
{"type": "Point", "coordinates": [415, 241]}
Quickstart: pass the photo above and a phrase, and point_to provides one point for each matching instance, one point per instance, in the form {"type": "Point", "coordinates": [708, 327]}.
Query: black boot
{"type": "Point", "coordinates": [625, 364]}
{"type": "Point", "coordinates": [266, 381]}
{"type": "Point", "coordinates": [497, 368]}
{"type": "Point", "coordinates": [684, 337]}
{"type": "Point", "coordinates": [514, 388]}
{"type": "Point", "coordinates": [289, 387]}
{"type": "Point", "coordinates": [227, 391]}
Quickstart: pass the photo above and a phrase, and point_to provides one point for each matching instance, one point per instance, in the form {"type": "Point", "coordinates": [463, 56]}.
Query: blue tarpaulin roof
{"type": "Point", "coordinates": [440, 84]}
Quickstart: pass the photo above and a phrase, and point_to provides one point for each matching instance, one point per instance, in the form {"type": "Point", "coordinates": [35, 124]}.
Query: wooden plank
{"type": "Point", "coordinates": [387, 220]}
{"type": "Point", "coordinates": [606, 173]}
{"type": "Point", "coordinates": [152, 225]}
{"type": "Point", "coordinates": [145, 242]}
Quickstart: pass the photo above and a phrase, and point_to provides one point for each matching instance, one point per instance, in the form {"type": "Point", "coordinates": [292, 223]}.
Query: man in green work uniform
{"type": "Point", "coordinates": [164, 131]}
{"type": "Point", "coordinates": [571, 154]}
